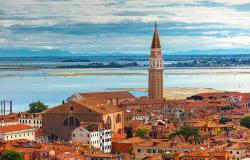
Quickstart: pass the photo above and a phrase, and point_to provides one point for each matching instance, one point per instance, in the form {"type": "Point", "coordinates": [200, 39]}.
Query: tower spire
{"type": "Point", "coordinates": [156, 40]}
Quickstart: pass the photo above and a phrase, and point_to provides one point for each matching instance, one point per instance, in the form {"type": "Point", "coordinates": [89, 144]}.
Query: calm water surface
{"type": "Point", "coordinates": [25, 86]}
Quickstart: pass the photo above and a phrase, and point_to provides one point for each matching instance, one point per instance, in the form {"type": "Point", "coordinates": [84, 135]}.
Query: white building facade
{"type": "Point", "coordinates": [32, 120]}
{"type": "Point", "coordinates": [99, 138]}
{"type": "Point", "coordinates": [18, 131]}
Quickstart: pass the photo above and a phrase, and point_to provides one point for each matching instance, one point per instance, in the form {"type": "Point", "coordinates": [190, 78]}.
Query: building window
{"type": "Point", "coordinates": [118, 118]}
{"type": "Point", "coordinates": [108, 121]}
{"type": "Point", "coordinates": [71, 121]}
{"type": "Point", "coordinates": [149, 150]}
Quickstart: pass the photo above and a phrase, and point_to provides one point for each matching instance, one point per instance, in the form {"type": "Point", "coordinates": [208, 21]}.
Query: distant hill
{"type": "Point", "coordinates": [214, 52]}
{"type": "Point", "coordinates": [56, 53]}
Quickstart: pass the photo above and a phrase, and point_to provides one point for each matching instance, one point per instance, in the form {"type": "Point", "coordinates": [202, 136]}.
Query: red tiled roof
{"type": "Point", "coordinates": [155, 143]}
{"type": "Point", "coordinates": [197, 153]}
{"type": "Point", "coordinates": [90, 103]}
{"type": "Point", "coordinates": [58, 148]}
{"type": "Point", "coordinates": [101, 155]}
{"type": "Point", "coordinates": [132, 140]}
{"type": "Point", "coordinates": [69, 155]}
{"type": "Point", "coordinates": [10, 117]}
{"type": "Point", "coordinates": [106, 95]}
{"type": "Point", "coordinates": [16, 127]}
{"type": "Point", "coordinates": [118, 137]}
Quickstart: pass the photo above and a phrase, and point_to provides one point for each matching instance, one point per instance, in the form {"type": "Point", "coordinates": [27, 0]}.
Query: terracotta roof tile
{"type": "Point", "coordinates": [101, 155]}
{"type": "Point", "coordinates": [16, 127]}
{"type": "Point", "coordinates": [132, 140]}
{"type": "Point", "coordinates": [155, 143]}
{"type": "Point", "coordinates": [106, 95]}
{"type": "Point", "coordinates": [89, 103]}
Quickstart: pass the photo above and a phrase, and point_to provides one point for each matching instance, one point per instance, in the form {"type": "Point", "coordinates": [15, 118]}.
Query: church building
{"type": "Point", "coordinates": [61, 120]}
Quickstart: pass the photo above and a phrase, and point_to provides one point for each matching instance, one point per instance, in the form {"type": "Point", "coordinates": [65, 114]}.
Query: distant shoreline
{"type": "Point", "coordinates": [133, 71]}
{"type": "Point", "coordinates": [35, 67]}
{"type": "Point", "coordinates": [173, 93]}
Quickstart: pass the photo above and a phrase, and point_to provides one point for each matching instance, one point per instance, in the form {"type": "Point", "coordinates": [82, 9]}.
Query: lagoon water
{"type": "Point", "coordinates": [53, 85]}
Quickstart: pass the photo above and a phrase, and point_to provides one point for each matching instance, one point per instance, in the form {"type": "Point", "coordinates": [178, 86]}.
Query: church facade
{"type": "Point", "coordinates": [60, 121]}
{"type": "Point", "coordinates": [155, 76]}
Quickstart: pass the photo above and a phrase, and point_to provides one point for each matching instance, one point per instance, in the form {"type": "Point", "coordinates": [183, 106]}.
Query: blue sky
{"type": "Point", "coordinates": [109, 26]}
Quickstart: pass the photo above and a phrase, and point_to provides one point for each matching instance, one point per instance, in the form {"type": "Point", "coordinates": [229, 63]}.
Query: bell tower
{"type": "Point", "coordinates": [155, 79]}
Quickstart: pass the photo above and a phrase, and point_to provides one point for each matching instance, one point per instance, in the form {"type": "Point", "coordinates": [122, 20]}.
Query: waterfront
{"type": "Point", "coordinates": [53, 85]}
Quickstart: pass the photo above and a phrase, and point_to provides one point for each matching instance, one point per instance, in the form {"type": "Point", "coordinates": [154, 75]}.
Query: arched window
{"type": "Point", "coordinates": [71, 121]}
{"type": "Point", "coordinates": [53, 137]}
{"type": "Point", "coordinates": [108, 121]}
{"type": "Point", "coordinates": [118, 118]}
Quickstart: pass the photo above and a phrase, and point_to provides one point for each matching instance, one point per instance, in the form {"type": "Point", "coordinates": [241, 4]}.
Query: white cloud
{"type": "Point", "coordinates": [185, 43]}
{"type": "Point", "coordinates": [212, 33]}
{"type": "Point", "coordinates": [31, 12]}
{"type": "Point", "coordinates": [54, 12]}
{"type": "Point", "coordinates": [232, 2]}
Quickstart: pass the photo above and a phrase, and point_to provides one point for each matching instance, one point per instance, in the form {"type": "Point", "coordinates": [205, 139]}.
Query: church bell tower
{"type": "Point", "coordinates": [155, 79]}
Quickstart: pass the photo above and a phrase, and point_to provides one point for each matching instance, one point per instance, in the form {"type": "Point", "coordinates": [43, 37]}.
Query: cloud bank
{"type": "Point", "coordinates": [98, 26]}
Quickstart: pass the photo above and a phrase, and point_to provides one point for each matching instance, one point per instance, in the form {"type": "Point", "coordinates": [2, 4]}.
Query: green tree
{"type": "Point", "coordinates": [130, 150]}
{"type": "Point", "coordinates": [118, 152]}
{"type": "Point", "coordinates": [186, 132]}
{"type": "Point", "coordinates": [141, 132]}
{"type": "Point", "coordinates": [36, 107]}
{"type": "Point", "coordinates": [11, 155]}
{"type": "Point", "coordinates": [129, 132]}
{"type": "Point", "coordinates": [224, 120]}
{"type": "Point", "coordinates": [245, 121]}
